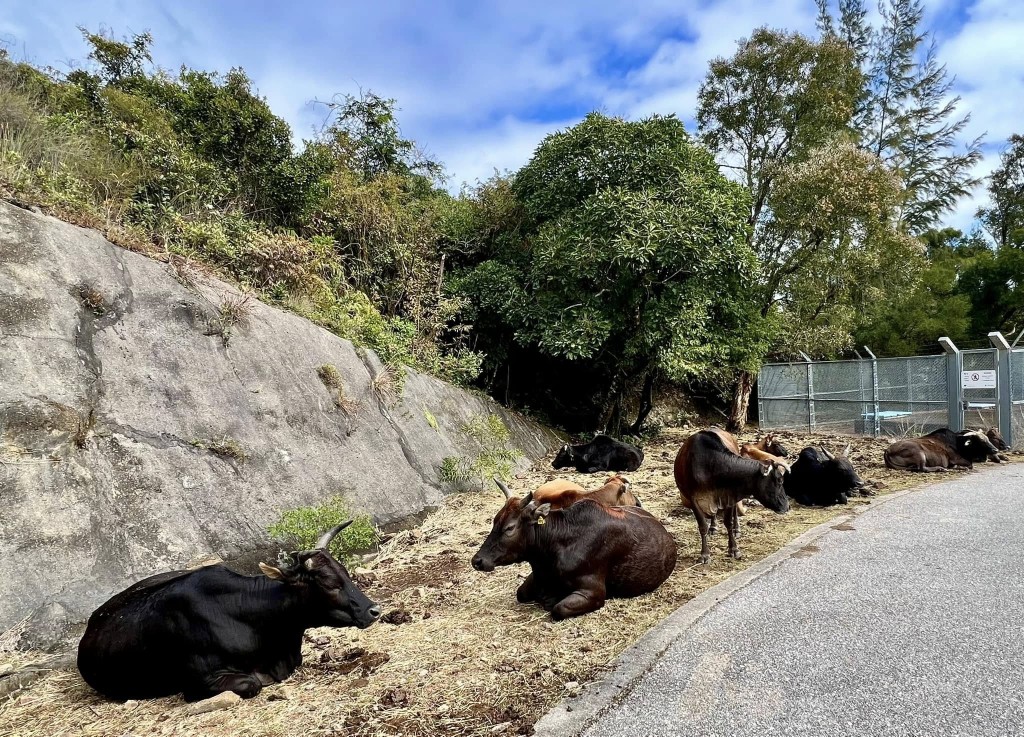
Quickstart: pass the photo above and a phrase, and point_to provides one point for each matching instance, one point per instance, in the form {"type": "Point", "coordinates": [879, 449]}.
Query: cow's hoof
{"type": "Point", "coordinates": [735, 554]}
{"type": "Point", "coordinates": [705, 559]}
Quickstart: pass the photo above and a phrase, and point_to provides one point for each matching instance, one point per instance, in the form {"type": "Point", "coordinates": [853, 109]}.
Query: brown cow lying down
{"type": "Point", "coordinates": [578, 556]}
{"type": "Point", "coordinates": [767, 450]}
{"type": "Point", "coordinates": [939, 450]}
{"type": "Point", "coordinates": [616, 492]}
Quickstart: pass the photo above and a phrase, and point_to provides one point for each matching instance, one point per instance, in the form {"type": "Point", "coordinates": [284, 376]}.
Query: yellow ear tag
{"type": "Point", "coordinates": [542, 520]}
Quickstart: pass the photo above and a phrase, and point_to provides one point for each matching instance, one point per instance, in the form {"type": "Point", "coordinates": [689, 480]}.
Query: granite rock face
{"type": "Point", "coordinates": [134, 439]}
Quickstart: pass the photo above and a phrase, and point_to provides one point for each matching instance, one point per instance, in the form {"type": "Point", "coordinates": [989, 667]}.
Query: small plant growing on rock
{"type": "Point", "coordinates": [387, 384]}
{"type": "Point", "coordinates": [224, 447]}
{"type": "Point", "coordinates": [496, 457]}
{"type": "Point", "coordinates": [233, 310]}
{"type": "Point", "coordinates": [331, 378]}
{"type": "Point", "coordinates": [93, 299]}
{"type": "Point", "coordinates": [302, 527]}
{"type": "Point", "coordinates": [454, 471]}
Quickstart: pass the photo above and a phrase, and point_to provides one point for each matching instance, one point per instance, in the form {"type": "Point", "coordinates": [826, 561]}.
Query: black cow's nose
{"type": "Point", "coordinates": [374, 612]}
{"type": "Point", "coordinates": [477, 562]}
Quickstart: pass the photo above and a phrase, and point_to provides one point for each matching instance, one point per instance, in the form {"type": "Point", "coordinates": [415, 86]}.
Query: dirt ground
{"type": "Point", "coordinates": [455, 654]}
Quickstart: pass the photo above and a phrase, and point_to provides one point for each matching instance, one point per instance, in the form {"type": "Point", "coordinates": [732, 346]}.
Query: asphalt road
{"type": "Point", "coordinates": [912, 623]}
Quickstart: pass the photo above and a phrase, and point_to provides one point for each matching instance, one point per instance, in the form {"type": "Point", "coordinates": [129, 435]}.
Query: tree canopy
{"type": "Point", "coordinates": [631, 259]}
{"type": "Point", "coordinates": [625, 255]}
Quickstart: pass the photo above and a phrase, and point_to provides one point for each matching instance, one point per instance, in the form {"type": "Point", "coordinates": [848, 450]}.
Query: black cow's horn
{"type": "Point", "coordinates": [827, 454]}
{"type": "Point", "coordinates": [846, 451]}
{"type": "Point", "coordinates": [504, 489]}
{"type": "Point", "coordinates": [326, 538]}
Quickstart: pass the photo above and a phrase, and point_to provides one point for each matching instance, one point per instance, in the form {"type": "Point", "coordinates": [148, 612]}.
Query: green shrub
{"type": "Point", "coordinates": [302, 527]}
{"type": "Point", "coordinates": [496, 457]}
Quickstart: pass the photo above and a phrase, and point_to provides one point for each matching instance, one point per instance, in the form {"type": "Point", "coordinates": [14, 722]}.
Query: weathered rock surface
{"type": "Point", "coordinates": [114, 400]}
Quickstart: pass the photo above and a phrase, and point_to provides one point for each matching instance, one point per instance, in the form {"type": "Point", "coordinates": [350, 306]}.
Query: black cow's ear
{"type": "Point", "coordinates": [272, 572]}
{"type": "Point", "coordinates": [540, 513]}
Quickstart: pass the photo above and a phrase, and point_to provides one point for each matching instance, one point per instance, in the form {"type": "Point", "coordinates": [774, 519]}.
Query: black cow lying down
{"type": "Point", "coordinates": [818, 478]}
{"type": "Point", "coordinates": [600, 454]}
{"type": "Point", "coordinates": [209, 630]}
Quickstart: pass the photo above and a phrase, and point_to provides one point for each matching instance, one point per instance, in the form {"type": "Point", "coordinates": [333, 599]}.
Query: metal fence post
{"type": "Point", "coordinates": [877, 424]}
{"type": "Point", "coordinates": [1004, 402]}
{"type": "Point", "coordinates": [810, 392]}
{"type": "Point", "coordinates": [954, 393]}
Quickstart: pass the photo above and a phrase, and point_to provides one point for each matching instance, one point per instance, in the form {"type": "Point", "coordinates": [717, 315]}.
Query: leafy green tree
{"type": "Point", "coordinates": [119, 60]}
{"type": "Point", "coordinates": [906, 113]}
{"type": "Point", "coordinates": [630, 261]}
{"type": "Point", "coordinates": [823, 211]}
{"type": "Point", "coordinates": [1003, 217]}
{"type": "Point", "coordinates": [365, 131]}
{"type": "Point", "coordinates": [905, 323]}
{"type": "Point", "coordinates": [994, 282]}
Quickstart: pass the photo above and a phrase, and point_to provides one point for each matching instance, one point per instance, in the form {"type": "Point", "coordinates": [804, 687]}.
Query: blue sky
{"type": "Point", "coordinates": [480, 83]}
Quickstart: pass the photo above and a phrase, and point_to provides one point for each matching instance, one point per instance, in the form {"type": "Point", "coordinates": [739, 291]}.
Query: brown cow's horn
{"type": "Point", "coordinates": [326, 538]}
{"type": "Point", "coordinates": [504, 489]}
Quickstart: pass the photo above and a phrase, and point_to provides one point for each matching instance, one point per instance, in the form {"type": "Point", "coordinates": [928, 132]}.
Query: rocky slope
{"type": "Point", "coordinates": [136, 437]}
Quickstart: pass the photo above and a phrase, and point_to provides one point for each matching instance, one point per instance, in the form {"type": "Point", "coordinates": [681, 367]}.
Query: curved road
{"type": "Point", "coordinates": [910, 623]}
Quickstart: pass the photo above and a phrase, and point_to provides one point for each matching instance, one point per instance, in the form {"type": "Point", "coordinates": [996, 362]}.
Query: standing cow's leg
{"type": "Point", "coordinates": [736, 521]}
{"type": "Point", "coordinates": [702, 526]}
{"type": "Point", "coordinates": [731, 524]}
{"type": "Point", "coordinates": [588, 596]}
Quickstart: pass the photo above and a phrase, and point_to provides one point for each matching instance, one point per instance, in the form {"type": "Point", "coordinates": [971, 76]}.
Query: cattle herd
{"type": "Point", "coordinates": [204, 631]}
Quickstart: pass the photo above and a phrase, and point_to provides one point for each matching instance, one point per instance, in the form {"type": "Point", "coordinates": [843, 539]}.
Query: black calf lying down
{"type": "Point", "coordinates": [600, 454]}
{"type": "Point", "coordinates": [820, 479]}
{"type": "Point", "coordinates": [209, 630]}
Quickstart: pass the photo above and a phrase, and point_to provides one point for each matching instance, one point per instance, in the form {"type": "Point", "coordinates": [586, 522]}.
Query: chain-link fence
{"type": "Point", "coordinates": [1017, 397]}
{"type": "Point", "coordinates": [886, 396]}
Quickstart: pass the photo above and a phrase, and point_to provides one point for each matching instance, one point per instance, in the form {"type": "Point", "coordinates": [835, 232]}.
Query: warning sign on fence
{"type": "Point", "coordinates": [978, 379]}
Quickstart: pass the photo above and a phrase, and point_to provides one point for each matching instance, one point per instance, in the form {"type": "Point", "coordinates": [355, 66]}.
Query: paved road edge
{"type": "Point", "coordinates": [572, 716]}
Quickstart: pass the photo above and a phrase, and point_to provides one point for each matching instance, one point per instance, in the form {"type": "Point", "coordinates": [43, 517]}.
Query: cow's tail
{"type": "Point", "coordinates": [889, 463]}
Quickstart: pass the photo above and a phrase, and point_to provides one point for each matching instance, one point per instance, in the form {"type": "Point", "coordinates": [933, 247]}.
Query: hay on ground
{"type": "Point", "coordinates": [464, 658]}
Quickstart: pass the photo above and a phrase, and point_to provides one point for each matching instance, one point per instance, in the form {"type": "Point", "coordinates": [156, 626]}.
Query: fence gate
{"type": "Point", "coordinates": [979, 382]}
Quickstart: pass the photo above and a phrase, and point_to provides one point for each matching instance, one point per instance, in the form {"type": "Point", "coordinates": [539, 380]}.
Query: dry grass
{"type": "Point", "coordinates": [470, 659]}
{"type": "Point", "coordinates": [330, 377]}
{"type": "Point", "coordinates": [233, 309]}
{"type": "Point", "coordinates": [387, 384]}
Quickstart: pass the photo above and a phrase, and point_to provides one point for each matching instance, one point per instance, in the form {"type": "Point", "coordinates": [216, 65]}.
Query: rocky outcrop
{"type": "Point", "coordinates": [135, 438]}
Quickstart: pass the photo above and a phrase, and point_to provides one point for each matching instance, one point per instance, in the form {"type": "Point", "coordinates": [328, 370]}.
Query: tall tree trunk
{"type": "Point", "coordinates": [646, 404]}
{"type": "Point", "coordinates": [740, 402]}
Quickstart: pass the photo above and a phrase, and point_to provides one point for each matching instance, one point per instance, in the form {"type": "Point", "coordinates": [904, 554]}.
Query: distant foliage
{"type": "Point", "coordinates": [346, 231]}
{"type": "Point", "coordinates": [302, 527]}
